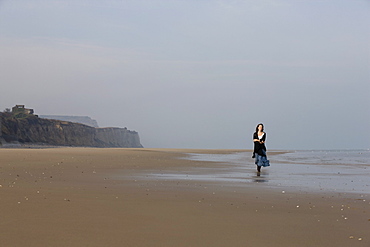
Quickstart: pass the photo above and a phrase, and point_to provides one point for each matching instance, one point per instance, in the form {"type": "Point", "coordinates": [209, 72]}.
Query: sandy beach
{"type": "Point", "coordinates": [108, 197]}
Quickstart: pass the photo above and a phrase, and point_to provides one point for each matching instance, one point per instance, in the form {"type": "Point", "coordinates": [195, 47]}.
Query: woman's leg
{"type": "Point", "coordinates": [258, 157]}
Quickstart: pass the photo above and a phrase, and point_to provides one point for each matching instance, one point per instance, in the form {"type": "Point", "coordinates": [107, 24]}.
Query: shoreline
{"type": "Point", "coordinates": [104, 197]}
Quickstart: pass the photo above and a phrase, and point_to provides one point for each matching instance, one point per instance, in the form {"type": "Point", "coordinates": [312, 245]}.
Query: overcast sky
{"type": "Point", "coordinates": [195, 73]}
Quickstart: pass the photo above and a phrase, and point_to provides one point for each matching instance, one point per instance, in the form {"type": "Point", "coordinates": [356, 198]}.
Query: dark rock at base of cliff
{"type": "Point", "coordinates": [34, 130]}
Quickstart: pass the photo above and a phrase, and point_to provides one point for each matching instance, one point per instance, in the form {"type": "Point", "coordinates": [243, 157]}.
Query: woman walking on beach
{"type": "Point", "coordinates": [259, 152]}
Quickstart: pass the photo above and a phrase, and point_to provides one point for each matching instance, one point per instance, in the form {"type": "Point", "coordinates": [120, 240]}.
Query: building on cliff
{"type": "Point", "coordinates": [21, 111]}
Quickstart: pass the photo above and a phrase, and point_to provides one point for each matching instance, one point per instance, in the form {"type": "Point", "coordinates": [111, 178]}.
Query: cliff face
{"type": "Point", "coordinates": [117, 137]}
{"type": "Point", "coordinates": [74, 119]}
{"type": "Point", "coordinates": [34, 130]}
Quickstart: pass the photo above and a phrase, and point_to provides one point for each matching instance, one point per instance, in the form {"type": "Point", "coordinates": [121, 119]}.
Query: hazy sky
{"type": "Point", "coordinates": [195, 73]}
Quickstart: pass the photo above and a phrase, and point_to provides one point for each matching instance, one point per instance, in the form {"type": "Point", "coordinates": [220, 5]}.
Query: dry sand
{"type": "Point", "coordinates": [103, 197]}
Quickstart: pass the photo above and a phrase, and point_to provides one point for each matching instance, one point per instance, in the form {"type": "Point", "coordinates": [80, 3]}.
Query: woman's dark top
{"type": "Point", "coordinates": [258, 147]}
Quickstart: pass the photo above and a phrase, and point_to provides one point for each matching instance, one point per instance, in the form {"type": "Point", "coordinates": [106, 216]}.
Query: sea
{"type": "Point", "coordinates": [341, 171]}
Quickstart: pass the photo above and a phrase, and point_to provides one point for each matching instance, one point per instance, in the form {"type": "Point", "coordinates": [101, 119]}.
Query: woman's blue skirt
{"type": "Point", "coordinates": [262, 160]}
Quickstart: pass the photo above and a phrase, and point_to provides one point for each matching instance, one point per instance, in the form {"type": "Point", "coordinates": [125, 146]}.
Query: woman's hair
{"type": "Point", "coordinates": [259, 125]}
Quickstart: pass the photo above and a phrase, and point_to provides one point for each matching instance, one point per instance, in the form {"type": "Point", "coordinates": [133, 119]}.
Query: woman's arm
{"type": "Point", "coordinates": [255, 137]}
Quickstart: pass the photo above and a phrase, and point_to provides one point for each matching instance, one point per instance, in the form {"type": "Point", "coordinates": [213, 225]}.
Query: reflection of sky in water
{"type": "Point", "coordinates": [337, 171]}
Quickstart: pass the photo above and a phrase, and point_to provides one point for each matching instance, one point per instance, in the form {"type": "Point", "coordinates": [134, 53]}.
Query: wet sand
{"type": "Point", "coordinates": [109, 197]}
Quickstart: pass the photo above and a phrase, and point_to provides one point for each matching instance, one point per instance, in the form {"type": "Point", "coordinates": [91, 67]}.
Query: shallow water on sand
{"type": "Point", "coordinates": [336, 170]}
